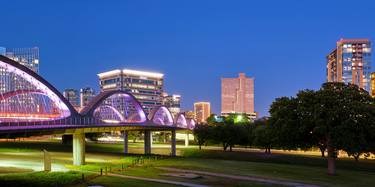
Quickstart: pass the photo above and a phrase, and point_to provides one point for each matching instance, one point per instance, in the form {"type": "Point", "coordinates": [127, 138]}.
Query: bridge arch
{"type": "Point", "coordinates": [181, 121]}
{"type": "Point", "coordinates": [161, 116]}
{"type": "Point", "coordinates": [191, 124]}
{"type": "Point", "coordinates": [122, 107]}
{"type": "Point", "coordinates": [20, 77]}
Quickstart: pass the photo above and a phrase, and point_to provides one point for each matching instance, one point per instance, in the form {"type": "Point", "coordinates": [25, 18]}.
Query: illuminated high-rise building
{"type": "Point", "coordinates": [237, 96]}
{"type": "Point", "coordinates": [72, 95]}
{"type": "Point", "coordinates": [189, 114]}
{"type": "Point", "coordinates": [85, 96]}
{"type": "Point", "coordinates": [28, 57]}
{"type": "Point", "coordinates": [372, 92]}
{"type": "Point", "coordinates": [202, 111]}
{"type": "Point", "coordinates": [172, 102]}
{"type": "Point", "coordinates": [147, 87]}
{"type": "Point", "coordinates": [350, 62]}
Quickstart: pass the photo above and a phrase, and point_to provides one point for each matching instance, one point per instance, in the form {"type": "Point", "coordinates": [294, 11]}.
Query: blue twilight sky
{"type": "Point", "coordinates": [193, 42]}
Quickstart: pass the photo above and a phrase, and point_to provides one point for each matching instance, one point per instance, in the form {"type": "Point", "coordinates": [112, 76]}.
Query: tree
{"type": "Point", "coordinates": [345, 112]}
{"type": "Point", "coordinates": [358, 137]}
{"type": "Point", "coordinates": [337, 117]}
{"type": "Point", "coordinates": [232, 131]}
{"type": "Point", "coordinates": [264, 135]}
{"type": "Point", "coordinates": [212, 119]}
{"type": "Point", "coordinates": [201, 133]}
{"type": "Point", "coordinates": [247, 134]}
{"type": "Point", "coordinates": [229, 130]}
{"type": "Point", "coordinates": [134, 135]}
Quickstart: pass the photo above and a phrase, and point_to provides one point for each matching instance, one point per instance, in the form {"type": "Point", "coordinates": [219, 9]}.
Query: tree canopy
{"type": "Point", "coordinates": [337, 117]}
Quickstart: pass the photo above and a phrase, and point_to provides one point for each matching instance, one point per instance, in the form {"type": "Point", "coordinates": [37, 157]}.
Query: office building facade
{"type": "Point", "coordinates": [237, 96]}
{"type": "Point", "coordinates": [350, 62]}
{"type": "Point", "coordinates": [28, 57]}
{"type": "Point", "coordinates": [72, 95]}
{"type": "Point", "coordinates": [189, 114]}
{"type": "Point", "coordinates": [202, 111]}
{"type": "Point", "coordinates": [173, 103]}
{"type": "Point", "coordinates": [147, 87]}
{"type": "Point", "coordinates": [85, 96]}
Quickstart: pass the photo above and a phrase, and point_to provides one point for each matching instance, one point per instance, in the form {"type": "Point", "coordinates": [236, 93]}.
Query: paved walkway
{"type": "Point", "coordinates": [147, 179]}
{"type": "Point", "coordinates": [239, 177]}
{"type": "Point", "coordinates": [157, 180]}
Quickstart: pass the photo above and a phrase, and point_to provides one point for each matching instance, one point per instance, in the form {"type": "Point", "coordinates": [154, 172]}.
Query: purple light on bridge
{"type": "Point", "coordinates": [162, 116]}
{"type": "Point", "coordinates": [191, 124]}
{"type": "Point", "coordinates": [25, 98]}
{"type": "Point", "coordinates": [120, 108]}
{"type": "Point", "coordinates": [181, 121]}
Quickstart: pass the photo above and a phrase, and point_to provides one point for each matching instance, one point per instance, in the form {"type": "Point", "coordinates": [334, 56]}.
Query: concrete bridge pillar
{"type": "Point", "coordinates": [173, 143]}
{"type": "Point", "coordinates": [126, 137]}
{"type": "Point", "coordinates": [147, 142]}
{"type": "Point", "coordinates": [79, 149]}
{"type": "Point", "coordinates": [187, 139]}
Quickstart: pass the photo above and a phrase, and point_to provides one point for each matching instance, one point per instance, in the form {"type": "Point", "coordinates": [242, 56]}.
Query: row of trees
{"type": "Point", "coordinates": [232, 130]}
{"type": "Point", "coordinates": [336, 117]}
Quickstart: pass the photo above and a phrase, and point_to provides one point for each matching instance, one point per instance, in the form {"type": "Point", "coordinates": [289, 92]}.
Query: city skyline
{"type": "Point", "coordinates": [215, 48]}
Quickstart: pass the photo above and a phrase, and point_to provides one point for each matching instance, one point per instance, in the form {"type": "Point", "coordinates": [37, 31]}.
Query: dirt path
{"type": "Point", "coordinates": [239, 177]}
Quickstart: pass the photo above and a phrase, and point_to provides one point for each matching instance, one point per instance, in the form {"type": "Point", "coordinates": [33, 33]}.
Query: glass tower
{"type": "Point", "coordinates": [28, 57]}
{"type": "Point", "coordinates": [350, 62]}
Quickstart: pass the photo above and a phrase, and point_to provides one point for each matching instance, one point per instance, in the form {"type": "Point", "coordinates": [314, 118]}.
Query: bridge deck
{"type": "Point", "coordinates": [70, 129]}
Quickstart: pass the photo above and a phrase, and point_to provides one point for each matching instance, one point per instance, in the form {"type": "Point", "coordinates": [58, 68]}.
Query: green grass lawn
{"type": "Point", "coordinates": [41, 179]}
{"type": "Point", "coordinates": [298, 168]}
{"type": "Point", "coordinates": [298, 173]}
{"type": "Point", "coordinates": [285, 158]}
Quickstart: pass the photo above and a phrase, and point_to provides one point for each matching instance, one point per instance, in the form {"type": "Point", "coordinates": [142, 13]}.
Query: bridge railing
{"type": "Point", "coordinates": [71, 121]}
{"type": "Point", "coordinates": [67, 121]}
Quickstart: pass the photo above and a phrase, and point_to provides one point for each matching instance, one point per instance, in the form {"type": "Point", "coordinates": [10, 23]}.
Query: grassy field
{"type": "Point", "coordinates": [41, 179]}
{"type": "Point", "coordinates": [280, 165]}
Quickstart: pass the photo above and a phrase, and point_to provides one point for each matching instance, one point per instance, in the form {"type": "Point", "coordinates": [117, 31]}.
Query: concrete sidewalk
{"type": "Point", "coordinates": [157, 180]}
{"type": "Point", "coordinates": [239, 177]}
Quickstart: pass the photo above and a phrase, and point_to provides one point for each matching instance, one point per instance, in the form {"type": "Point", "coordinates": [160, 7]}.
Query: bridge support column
{"type": "Point", "coordinates": [147, 142]}
{"type": "Point", "coordinates": [126, 137]}
{"type": "Point", "coordinates": [173, 143]}
{"type": "Point", "coordinates": [79, 149]}
{"type": "Point", "coordinates": [187, 139]}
